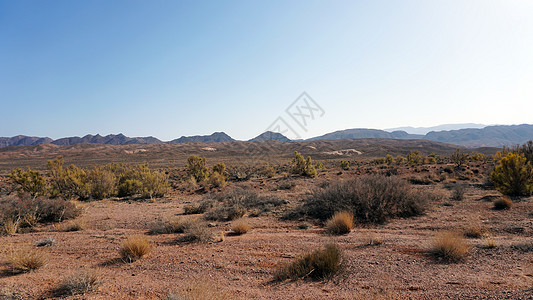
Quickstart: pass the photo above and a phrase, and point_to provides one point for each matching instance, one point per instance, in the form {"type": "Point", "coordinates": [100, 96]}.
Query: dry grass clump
{"type": "Point", "coordinates": [503, 203]}
{"type": "Point", "coordinates": [474, 230]}
{"type": "Point", "coordinates": [199, 208]}
{"type": "Point", "coordinates": [240, 227]}
{"type": "Point", "coordinates": [317, 265]}
{"type": "Point", "coordinates": [25, 260]}
{"type": "Point", "coordinates": [175, 225]}
{"type": "Point", "coordinates": [340, 223]}
{"type": "Point", "coordinates": [488, 243]}
{"type": "Point", "coordinates": [81, 282]}
{"type": "Point", "coordinates": [200, 291]}
{"type": "Point", "coordinates": [78, 225]}
{"type": "Point", "coordinates": [198, 232]}
{"type": "Point", "coordinates": [450, 246]}
{"type": "Point", "coordinates": [10, 227]}
{"type": "Point", "coordinates": [134, 248]}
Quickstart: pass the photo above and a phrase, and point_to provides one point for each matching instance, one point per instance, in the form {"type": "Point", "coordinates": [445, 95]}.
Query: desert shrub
{"type": "Point", "coordinates": [30, 181]}
{"type": "Point", "coordinates": [10, 226]}
{"type": "Point", "coordinates": [198, 208]}
{"type": "Point", "coordinates": [503, 203]}
{"type": "Point", "coordinates": [378, 161]}
{"type": "Point", "coordinates": [319, 264]}
{"type": "Point", "coordinates": [130, 187]}
{"type": "Point", "coordinates": [197, 168]}
{"type": "Point", "coordinates": [25, 210]}
{"type": "Point", "coordinates": [431, 159]}
{"type": "Point", "coordinates": [459, 158]}
{"type": "Point", "coordinates": [450, 246]}
{"type": "Point", "coordinates": [198, 232]}
{"type": "Point", "coordinates": [102, 183]}
{"type": "Point", "coordinates": [458, 192]}
{"type": "Point", "coordinates": [74, 226]}
{"type": "Point", "coordinates": [320, 166]}
{"type": "Point", "coordinates": [285, 184]}
{"type": "Point", "coordinates": [389, 159]}
{"type": "Point", "coordinates": [175, 225]}
{"type": "Point", "coordinates": [155, 183]}
{"type": "Point", "coordinates": [134, 248]}
{"type": "Point", "coordinates": [235, 203]}
{"type": "Point", "coordinates": [303, 167]}
{"type": "Point", "coordinates": [25, 260]}
{"type": "Point", "coordinates": [345, 165]}
{"type": "Point", "coordinates": [70, 182]}
{"type": "Point", "coordinates": [217, 180]}
{"type": "Point", "coordinates": [268, 171]}
{"type": "Point", "coordinates": [476, 156]}
{"type": "Point", "coordinates": [340, 223]}
{"type": "Point", "coordinates": [513, 176]}
{"type": "Point", "coordinates": [371, 199]}
{"type": "Point", "coordinates": [474, 230]}
{"type": "Point", "coordinates": [81, 282]}
{"type": "Point", "coordinates": [414, 158]}
{"type": "Point", "coordinates": [240, 227]}
{"type": "Point", "coordinates": [400, 160]}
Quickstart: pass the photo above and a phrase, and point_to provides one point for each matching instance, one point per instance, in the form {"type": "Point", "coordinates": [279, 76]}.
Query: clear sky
{"type": "Point", "coordinates": [173, 68]}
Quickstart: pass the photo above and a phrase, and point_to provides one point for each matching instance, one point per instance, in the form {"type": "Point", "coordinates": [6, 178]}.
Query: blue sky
{"type": "Point", "coordinates": [173, 68]}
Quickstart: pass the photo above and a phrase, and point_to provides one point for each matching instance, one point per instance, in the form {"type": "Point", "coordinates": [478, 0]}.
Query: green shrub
{"type": "Point", "coordinates": [30, 181]}
{"type": "Point", "coordinates": [197, 168]}
{"type": "Point", "coordinates": [389, 159]}
{"type": "Point", "coordinates": [70, 182]}
{"type": "Point", "coordinates": [216, 179]}
{"type": "Point", "coordinates": [513, 176]}
{"type": "Point", "coordinates": [414, 158]}
{"type": "Point", "coordinates": [102, 183]}
{"type": "Point", "coordinates": [371, 199]}
{"type": "Point", "coordinates": [319, 264]}
{"type": "Point", "coordinates": [345, 165]}
{"type": "Point", "coordinates": [303, 167]}
{"type": "Point", "coordinates": [459, 158]}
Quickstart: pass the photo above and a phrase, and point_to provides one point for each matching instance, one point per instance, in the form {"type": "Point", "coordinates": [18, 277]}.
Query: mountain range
{"type": "Point", "coordinates": [489, 136]}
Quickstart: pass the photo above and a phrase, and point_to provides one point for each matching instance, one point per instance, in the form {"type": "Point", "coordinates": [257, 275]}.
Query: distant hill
{"type": "Point", "coordinates": [270, 136]}
{"type": "Point", "coordinates": [22, 140]}
{"type": "Point", "coordinates": [364, 133]}
{"type": "Point", "coordinates": [490, 136]}
{"type": "Point", "coordinates": [111, 139]}
{"type": "Point", "coordinates": [425, 130]}
{"type": "Point", "coordinates": [216, 137]}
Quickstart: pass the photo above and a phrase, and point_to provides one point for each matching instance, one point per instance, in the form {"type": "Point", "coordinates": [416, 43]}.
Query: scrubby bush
{"type": "Point", "coordinates": [340, 223]}
{"type": "Point", "coordinates": [240, 227]}
{"type": "Point", "coordinates": [30, 181]}
{"type": "Point", "coordinates": [70, 182]}
{"type": "Point", "coordinates": [414, 158]}
{"type": "Point", "coordinates": [459, 158]}
{"type": "Point", "coordinates": [81, 282]}
{"type": "Point", "coordinates": [503, 203]}
{"type": "Point", "coordinates": [198, 232]}
{"type": "Point", "coordinates": [400, 160]}
{"type": "Point", "coordinates": [102, 183]}
{"type": "Point", "coordinates": [175, 225]}
{"type": "Point", "coordinates": [458, 192]}
{"type": "Point", "coordinates": [319, 264]}
{"type": "Point", "coordinates": [134, 248]}
{"type": "Point", "coordinates": [233, 204]}
{"type": "Point", "coordinates": [450, 246]}
{"type": "Point", "coordinates": [371, 199]}
{"type": "Point", "coordinates": [25, 260]}
{"type": "Point", "coordinates": [25, 210]}
{"type": "Point", "coordinates": [389, 159]}
{"type": "Point", "coordinates": [345, 165]}
{"type": "Point", "coordinates": [303, 167]}
{"type": "Point", "coordinates": [513, 176]}
{"type": "Point", "coordinates": [197, 168]}
{"type": "Point", "coordinates": [130, 187]}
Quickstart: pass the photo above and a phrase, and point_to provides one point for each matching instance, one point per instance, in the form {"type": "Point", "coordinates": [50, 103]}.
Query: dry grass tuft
{"type": "Point", "coordinates": [175, 225]}
{"type": "Point", "coordinates": [474, 230]}
{"type": "Point", "coordinates": [503, 203]}
{"type": "Point", "coordinates": [488, 243]}
{"type": "Point", "coordinates": [25, 260]}
{"type": "Point", "coordinates": [450, 246]}
{"type": "Point", "coordinates": [134, 248]}
{"type": "Point", "coordinates": [240, 227]}
{"type": "Point", "coordinates": [340, 223]}
{"type": "Point", "coordinates": [10, 227]}
{"type": "Point", "coordinates": [319, 264]}
{"type": "Point", "coordinates": [72, 226]}
{"type": "Point", "coordinates": [198, 232]}
{"type": "Point", "coordinates": [81, 282]}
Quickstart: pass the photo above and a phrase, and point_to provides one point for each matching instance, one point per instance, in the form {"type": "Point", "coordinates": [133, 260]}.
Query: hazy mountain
{"type": "Point", "coordinates": [490, 136]}
{"type": "Point", "coordinates": [213, 138]}
{"type": "Point", "coordinates": [270, 136]}
{"type": "Point", "coordinates": [22, 140]}
{"type": "Point", "coordinates": [364, 133]}
{"type": "Point", "coordinates": [425, 130]}
{"type": "Point", "coordinates": [111, 139]}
